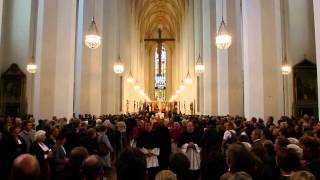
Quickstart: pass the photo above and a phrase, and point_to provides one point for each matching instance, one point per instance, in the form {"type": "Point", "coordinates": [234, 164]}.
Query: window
{"type": "Point", "coordinates": [160, 78]}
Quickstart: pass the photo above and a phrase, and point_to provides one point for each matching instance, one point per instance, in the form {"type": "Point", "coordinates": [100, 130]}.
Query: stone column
{"type": "Point", "coordinates": [252, 59]}
{"type": "Point", "coordinates": [222, 65]}
{"type": "Point", "coordinates": [1, 34]}
{"type": "Point", "coordinates": [65, 57]}
{"type": "Point", "coordinates": [1, 15]}
{"type": "Point", "coordinates": [55, 54]}
{"type": "Point", "coordinates": [111, 82]}
{"type": "Point", "coordinates": [316, 7]}
{"type": "Point", "coordinates": [208, 90]}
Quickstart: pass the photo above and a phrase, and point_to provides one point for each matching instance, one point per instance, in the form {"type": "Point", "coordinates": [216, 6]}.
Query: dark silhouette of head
{"type": "Point", "coordinates": [25, 167]}
{"type": "Point", "coordinates": [77, 155]}
{"type": "Point", "coordinates": [287, 159]}
{"type": "Point", "coordinates": [179, 164]}
{"type": "Point", "coordinates": [239, 158]}
{"type": "Point", "coordinates": [92, 168]}
{"type": "Point", "coordinates": [131, 163]}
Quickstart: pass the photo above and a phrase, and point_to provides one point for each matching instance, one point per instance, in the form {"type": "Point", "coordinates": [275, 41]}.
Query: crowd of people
{"type": "Point", "coordinates": [147, 147]}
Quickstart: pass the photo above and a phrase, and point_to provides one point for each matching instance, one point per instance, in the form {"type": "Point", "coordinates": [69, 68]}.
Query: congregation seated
{"type": "Point", "coordinates": [145, 147]}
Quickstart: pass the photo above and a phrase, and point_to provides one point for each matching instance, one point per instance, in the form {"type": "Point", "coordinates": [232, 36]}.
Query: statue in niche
{"type": "Point", "coordinates": [191, 108]}
{"type": "Point", "coordinates": [127, 106]}
{"type": "Point", "coordinates": [305, 88]}
{"type": "Point", "coordinates": [13, 91]}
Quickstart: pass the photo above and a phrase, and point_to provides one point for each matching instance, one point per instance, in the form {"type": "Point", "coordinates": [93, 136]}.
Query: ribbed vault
{"type": "Point", "coordinates": [154, 14]}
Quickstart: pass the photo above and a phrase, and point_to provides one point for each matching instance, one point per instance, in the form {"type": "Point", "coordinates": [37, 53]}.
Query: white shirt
{"type": "Point", "coordinates": [193, 155]}
{"type": "Point", "coordinates": [227, 134]}
{"type": "Point", "coordinates": [152, 161]}
{"type": "Point", "coordinates": [44, 148]}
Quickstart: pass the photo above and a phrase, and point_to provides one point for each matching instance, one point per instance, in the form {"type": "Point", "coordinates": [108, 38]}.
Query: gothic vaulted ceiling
{"type": "Point", "coordinates": [154, 14]}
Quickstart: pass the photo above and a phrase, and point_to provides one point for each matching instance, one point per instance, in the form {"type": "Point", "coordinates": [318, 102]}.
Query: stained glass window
{"type": "Point", "coordinates": [160, 78]}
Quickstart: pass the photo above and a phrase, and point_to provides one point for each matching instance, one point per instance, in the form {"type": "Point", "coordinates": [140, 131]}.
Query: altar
{"type": "Point", "coordinates": [160, 106]}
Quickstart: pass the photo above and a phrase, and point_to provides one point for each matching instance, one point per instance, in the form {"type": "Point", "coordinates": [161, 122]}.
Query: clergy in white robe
{"type": "Point", "coordinates": [148, 144]}
{"type": "Point", "coordinates": [190, 145]}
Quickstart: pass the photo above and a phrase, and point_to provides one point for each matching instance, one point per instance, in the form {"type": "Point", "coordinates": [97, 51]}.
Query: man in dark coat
{"type": "Point", "coordinates": [164, 140]}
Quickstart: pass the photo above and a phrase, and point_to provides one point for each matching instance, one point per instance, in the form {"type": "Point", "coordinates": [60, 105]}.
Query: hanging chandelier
{"type": "Point", "coordinates": [118, 66]}
{"type": "Point", "coordinates": [130, 78]}
{"type": "Point", "coordinates": [188, 79]}
{"type": "Point", "coordinates": [32, 68]}
{"type": "Point", "coordinates": [199, 67]}
{"type": "Point", "coordinates": [93, 40]}
{"type": "Point", "coordinates": [136, 87]}
{"type": "Point", "coordinates": [286, 69]}
{"type": "Point", "coordinates": [141, 92]}
{"type": "Point", "coordinates": [182, 87]}
{"type": "Point", "coordinates": [223, 38]}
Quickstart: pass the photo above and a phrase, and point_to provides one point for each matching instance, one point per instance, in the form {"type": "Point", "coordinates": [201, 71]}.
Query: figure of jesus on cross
{"type": "Point", "coordinates": [159, 40]}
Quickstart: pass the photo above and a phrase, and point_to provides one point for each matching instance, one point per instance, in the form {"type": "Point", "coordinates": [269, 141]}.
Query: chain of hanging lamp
{"type": "Point", "coordinates": [32, 67]}
{"type": "Point", "coordinates": [118, 67]}
{"type": "Point", "coordinates": [199, 67]}
{"type": "Point", "coordinates": [285, 68]}
{"type": "Point", "coordinates": [93, 39]}
{"type": "Point", "coordinates": [223, 38]}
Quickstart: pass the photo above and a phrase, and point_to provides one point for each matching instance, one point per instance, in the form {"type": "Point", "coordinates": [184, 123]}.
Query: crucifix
{"type": "Point", "coordinates": [159, 40]}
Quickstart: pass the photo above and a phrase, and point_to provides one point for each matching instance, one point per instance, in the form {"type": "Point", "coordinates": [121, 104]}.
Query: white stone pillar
{"type": "Point", "coordinates": [65, 58]}
{"type": "Point", "coordinates": [78, 92]}
{"type": "Point", "coordinates": [316, 7]}
{"type": "Point", "coordinates": [1, 15]}
{"type": "Point", "coordinates": [55, 51]}
{"type": "Point", "coordinates": [110, 86]}
{"type": "Point", "coordinates": [252, 59]}
{"type": "Point", "coordinates": [222, 65]}
{"type": "Point", "coordinates": [96, 64]}
{"type": "Point", "coordinates": [207, 94]}
{"type": "Point", "coordinates": [1, 34]}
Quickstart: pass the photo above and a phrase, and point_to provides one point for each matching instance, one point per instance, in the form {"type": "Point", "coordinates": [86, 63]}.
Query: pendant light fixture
{"type": "Point", "coordinates": [93, 39]}
{"type": "Point", "coordinates": [31, 66]}
{"type": "Point", "coordinates": [182, 87]}
{"type": "Point", "coordinates": [118, 66]}
{"type": "Point", "coordinates": [199, 67]}
{"type": "Point", "coordinates": [188, 79]}
{"type": "Point", "coordinates": [223, 38]}
{"type": "Point", "coordinates": [286, 67]}
{"type": "Point", "coordinates": [130, 78]}
{"type": "Point", "coordinates": [136, 86]}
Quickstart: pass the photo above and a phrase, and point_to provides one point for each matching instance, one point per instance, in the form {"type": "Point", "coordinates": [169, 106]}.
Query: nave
{"type": "Point", "coordinates": [159, 89]}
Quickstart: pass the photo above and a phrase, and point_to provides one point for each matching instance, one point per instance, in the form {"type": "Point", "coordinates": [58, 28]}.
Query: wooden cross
{"type": "Point", "coordinates": [159, 40]}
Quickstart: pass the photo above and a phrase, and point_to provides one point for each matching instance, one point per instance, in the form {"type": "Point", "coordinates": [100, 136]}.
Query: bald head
{"type": "Point", "coordinates": [92, 168]}
{"type": "Point", "coordinates": [25, 167]}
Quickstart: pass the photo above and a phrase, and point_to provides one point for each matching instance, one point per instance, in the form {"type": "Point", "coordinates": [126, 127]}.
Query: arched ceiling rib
{"type": "Point", "coordinates": [164, 14]}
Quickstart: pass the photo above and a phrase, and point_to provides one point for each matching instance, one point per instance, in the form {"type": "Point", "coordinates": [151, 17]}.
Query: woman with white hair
{"type": "Point", "coordinates": [121, 136]}
{"type": "Point", "coordinates": [42, 153]}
